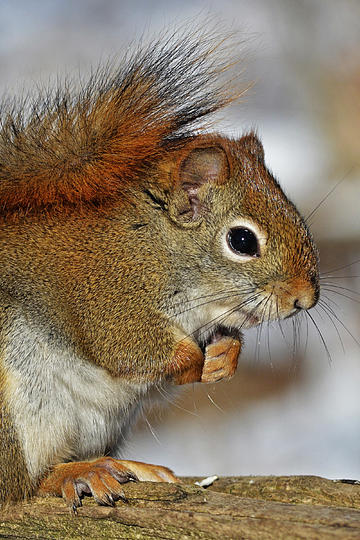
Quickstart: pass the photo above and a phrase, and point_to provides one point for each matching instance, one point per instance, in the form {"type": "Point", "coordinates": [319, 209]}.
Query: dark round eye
{"type": "Point", "coordinates": [243, 241]}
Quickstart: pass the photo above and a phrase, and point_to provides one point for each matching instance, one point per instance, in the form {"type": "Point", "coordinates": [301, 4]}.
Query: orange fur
{"type": "Point", "coordinates": [87, 147]}
{"type": "Point", "coordinates": [102, 478]}
{"type": "Point", "coordinates": [188, 361]}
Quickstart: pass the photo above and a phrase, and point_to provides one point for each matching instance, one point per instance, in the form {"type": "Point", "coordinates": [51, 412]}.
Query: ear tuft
{"type": "Point", "coordinates": [252, 144]}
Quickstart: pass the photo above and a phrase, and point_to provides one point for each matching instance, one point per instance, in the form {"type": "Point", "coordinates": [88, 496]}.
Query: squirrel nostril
{"type": "Point", "coordinates": [297, 304]}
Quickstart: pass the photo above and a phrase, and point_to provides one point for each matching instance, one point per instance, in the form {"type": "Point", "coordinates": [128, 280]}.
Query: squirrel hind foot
{"type": "Point", "coordinates": [101, 479]}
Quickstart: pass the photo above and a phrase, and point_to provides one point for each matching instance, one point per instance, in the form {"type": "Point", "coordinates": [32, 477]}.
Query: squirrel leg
{"type": "Point", "coordinates": [101, 478]}
{"type": "Point", "coordinates": [221, 359]}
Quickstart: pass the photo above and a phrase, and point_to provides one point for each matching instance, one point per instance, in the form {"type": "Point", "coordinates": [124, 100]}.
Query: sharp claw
{"type": "Point", "coordinates": [73, 508]}
{"type": "Point", "coordinates": [110, 500]}
{"type": "Point", "coordinates": [104, 500]}
{"type": "Point", "coordinates": [123, 498]}
{"type": "Point", "coordinates": [75, 504]}
{"type": "Point", "coordinates": [123, 477]}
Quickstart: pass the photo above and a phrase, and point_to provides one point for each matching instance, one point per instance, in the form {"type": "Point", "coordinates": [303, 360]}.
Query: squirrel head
{"type": "Point", "coordinates": [204, 243]}
{"type": "Point", "coordinates": [246, 252]}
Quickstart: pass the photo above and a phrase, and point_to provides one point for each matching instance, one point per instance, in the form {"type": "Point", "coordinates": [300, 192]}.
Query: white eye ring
{"type": "Point", "coordinates": [248, 245]}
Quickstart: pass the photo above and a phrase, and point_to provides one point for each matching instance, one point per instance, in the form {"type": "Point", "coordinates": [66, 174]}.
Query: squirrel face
{"type": "Point", "coordinates": [256, 259]}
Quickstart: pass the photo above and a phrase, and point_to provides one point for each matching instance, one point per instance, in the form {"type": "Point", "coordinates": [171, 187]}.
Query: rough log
{"type": "Point", "coordinates": [238, 507]}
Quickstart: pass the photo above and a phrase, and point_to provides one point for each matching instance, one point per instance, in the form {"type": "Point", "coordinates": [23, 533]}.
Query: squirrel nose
{"type": "Point", "coordinates": [305, 303]}
{"type": "Point", "coordinates": [305, 293]}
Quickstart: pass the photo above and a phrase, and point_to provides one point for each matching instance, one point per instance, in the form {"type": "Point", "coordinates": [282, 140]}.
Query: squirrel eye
{"type": "Point", "coordinates": [243, 241]}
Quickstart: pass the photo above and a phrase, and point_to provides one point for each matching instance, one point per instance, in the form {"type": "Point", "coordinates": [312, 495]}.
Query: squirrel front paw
{"type": "Point", "coordinates": [101, 478]}
{"type": "Point", "coordinates": [221, 359]}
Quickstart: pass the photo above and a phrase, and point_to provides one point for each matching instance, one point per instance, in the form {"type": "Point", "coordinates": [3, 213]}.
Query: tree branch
{"type": "Point", "coordinates": [244, 507]}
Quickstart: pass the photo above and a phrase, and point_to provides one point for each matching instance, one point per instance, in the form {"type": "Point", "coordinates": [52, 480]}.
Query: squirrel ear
{"type": "Point", "coordinates": [203, 165]}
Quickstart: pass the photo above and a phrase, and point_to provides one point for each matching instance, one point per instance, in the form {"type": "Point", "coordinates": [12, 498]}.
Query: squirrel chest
{"type": "Point", "coordinates": [64, 408]}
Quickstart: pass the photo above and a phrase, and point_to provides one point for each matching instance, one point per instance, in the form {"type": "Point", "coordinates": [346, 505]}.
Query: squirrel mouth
{"type": "Point", "coordinates": [215, 334]}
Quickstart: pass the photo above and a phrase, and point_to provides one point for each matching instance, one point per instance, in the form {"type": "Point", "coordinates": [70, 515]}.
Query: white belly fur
{"type": "Point", "coordinates": [63, 407]}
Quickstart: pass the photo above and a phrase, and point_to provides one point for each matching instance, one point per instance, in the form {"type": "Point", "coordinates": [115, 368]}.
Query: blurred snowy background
{"type": "Point", "coordinates": [286, 411]}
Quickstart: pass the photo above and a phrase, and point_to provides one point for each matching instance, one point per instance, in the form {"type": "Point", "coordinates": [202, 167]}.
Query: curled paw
{"type": "Point", "coordinates": [221, 358]}
{"type": "Point", "coordinates": [101, 478]}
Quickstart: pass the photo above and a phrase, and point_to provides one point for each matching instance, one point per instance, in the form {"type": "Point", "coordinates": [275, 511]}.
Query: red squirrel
{"type": "Point", "coordinates": [135, 249]}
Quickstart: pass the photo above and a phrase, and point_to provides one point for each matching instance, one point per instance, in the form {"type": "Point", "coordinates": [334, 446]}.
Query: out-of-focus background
{"type": "Point", "coordinates": [290, 409]}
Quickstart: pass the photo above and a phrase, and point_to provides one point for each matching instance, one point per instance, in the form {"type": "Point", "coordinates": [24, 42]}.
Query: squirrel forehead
{"type": "Point", "coordinates": [255, 182]}
{"type": "Point", "coordinates": [255, 191]}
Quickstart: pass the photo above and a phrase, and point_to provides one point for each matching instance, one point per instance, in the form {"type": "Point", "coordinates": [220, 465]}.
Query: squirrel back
{"type": "Point", "coordinates": [85, 146]}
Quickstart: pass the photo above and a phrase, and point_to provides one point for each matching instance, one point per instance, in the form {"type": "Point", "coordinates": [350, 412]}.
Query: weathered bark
{"type": "Point", "coordinates": [245, 507]}
{"type": "Point", "coordinates": [292, 489]}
